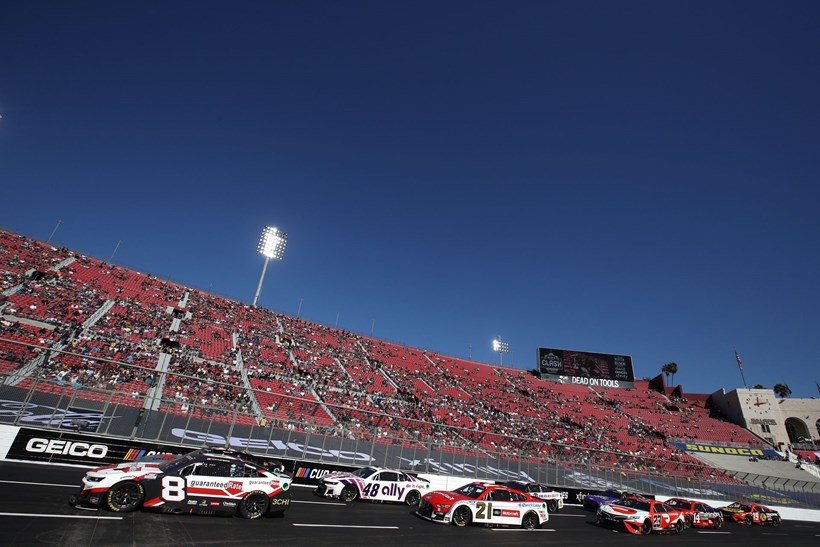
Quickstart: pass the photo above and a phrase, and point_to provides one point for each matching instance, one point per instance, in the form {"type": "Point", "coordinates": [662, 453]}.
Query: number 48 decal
{"type": "Point", "coordinates": [173, 488]}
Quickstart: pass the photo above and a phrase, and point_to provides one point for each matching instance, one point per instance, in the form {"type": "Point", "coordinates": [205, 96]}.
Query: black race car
{"type": "Point", "coordinates": [206, 481]}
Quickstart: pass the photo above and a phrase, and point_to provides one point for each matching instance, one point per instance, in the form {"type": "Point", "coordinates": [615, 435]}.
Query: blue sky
{"type": "Point", "coordinates": [637, 178]}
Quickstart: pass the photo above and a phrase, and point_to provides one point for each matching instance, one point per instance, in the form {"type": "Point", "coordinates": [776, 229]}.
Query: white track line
{"type": "Point", "coordinates": [522, 530]}
{"type": "Point", "coordinates": [319, 502]}
{"type": "Point", "coordinates": [346, 526]}
{"type": "Point", "coordinates": [35, 515]}
{"type": "Point", "coordinates": [711, 532]}
{"type": "Point", "coordinates": [42, 484]}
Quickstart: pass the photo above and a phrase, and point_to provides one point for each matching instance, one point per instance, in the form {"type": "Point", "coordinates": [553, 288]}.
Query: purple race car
{"type": "Point", "coordinates": [593, 501]}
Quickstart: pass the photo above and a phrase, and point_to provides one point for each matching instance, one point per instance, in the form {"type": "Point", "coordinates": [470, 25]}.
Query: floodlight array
{"type": "Point", "coordinates": [272, 243]}
{"type": "Point", "coordinates": [501, 347]}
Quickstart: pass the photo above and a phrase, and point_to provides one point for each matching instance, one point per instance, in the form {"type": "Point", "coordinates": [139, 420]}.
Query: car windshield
{"type": "Point", "coordinates": [741, 506]}
{"type": "Point", "coordinates": [611, 494]}
{"type": "Point", "coordinates": [640, 505]}
{"type": "Point", "coordinates": [471, 490]}
{"type": "Point", "coordinates": [364, 472]}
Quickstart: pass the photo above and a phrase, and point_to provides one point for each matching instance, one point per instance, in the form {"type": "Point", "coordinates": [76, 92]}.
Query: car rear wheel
{"type": "Point", "coordinates": [462, 516]}
{"type": "Point", "coordinates": [646, 529]}
{"type": "Point", "coordinates": [254, 505]}
{"type": "Point", "coordinates": [530, 521]}
{"type": "Point", "coordinates": [349, 493]}
{"type": "Point", "coordinates": [718, 522]}
{"type": "Point", "coordinates": [552, 506]}
{"type": "Point", "coordinates": [124, 497]}
{"type": "Point", "coordinates": [689, 520]}
{"type": "Point", "coordinates": [412, 498]}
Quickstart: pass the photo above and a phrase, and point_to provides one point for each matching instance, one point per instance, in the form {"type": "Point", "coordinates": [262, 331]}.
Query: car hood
{"type": "Point", "coordinates": [124, 468]}
{"type": "Point", "coordinates": [444, 497]}
{"type": "Point", "coordinates": [616, 509]}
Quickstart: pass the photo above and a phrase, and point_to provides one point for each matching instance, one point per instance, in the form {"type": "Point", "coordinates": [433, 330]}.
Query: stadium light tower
{"type": "Point", "coordinates": [271, 245]}
{"type": "Point", "coordinates": [501, 348]}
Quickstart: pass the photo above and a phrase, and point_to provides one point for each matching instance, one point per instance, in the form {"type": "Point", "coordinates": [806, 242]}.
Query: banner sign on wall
{"type": "Point", "coordinates": [585, 368]}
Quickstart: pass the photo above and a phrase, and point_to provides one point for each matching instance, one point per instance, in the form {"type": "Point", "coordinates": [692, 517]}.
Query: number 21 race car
{"type": "Point", "coordinates": [206, 481]}
{"type": "Point", "coordinates": [484, 503]}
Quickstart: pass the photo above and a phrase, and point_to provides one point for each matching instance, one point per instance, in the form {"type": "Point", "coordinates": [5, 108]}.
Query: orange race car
{"type": "Point", "coordinates": [751, 513]}
{"type": "Point", "coordinates": [641, 516]}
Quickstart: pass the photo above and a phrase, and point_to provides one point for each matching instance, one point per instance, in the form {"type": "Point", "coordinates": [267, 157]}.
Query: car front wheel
{"type": "Point", "coordinates": [124, 497]}
{"type": "Point", "coordinates": [462, 516]}
{"type": "Point", "coordinates": [254, 505]}
{"type": "Point", "coordinates": [552, 506]}
{"type": "Point", "coordinates": [646, 529]}
{"type": "Point", "coordinates": [349, 493]}
{"type": "Point", "coordinates": [679, 526]}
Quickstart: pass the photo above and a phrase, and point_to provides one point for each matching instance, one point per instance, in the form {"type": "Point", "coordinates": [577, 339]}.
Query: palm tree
{"type": "Point", "coordinates": [782, 390]}
{"type": "Point", "coordinates": [670, 368]}
{"type": "Point", "coordinates": [759, 386]}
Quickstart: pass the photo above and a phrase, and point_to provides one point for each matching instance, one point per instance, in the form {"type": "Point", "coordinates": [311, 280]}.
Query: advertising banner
{"type": "Point", "coordinates": [585, 368]}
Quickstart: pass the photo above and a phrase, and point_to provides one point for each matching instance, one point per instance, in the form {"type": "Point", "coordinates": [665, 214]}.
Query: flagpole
{"type": "Point", "coordinates": [740, 366]}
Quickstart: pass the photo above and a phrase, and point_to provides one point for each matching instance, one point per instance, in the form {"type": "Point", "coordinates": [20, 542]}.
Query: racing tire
{"type": "Point", "coordinates": [124, 497]}
{"type": "Point", "coordinates": [775, 521]}
{"type": "Point", "coordinates": [349, 493]}
{"type": "Point", "coordinates": [689, 520]}
{"type": "Point", "coordinates": [254, 505]}
{"type": "Point", "coordinates": [748, 520]}
{"type": "Point", "coordinates": [462, 516]}
{"type": "Point", "coordinates": [718, 522]}
{"type": "Point", "coordinates": [599, 519]}
{"type": "Point", "coordinates": [412, 498]}
{"type": "Point", "coordinates": [552, 506]}
{"type": "Point", "coordinates": [646, 528]}
{"type": "Point", "coordinates": [530, 521]}
{"type": "Point", "coordinates": [679, 527]}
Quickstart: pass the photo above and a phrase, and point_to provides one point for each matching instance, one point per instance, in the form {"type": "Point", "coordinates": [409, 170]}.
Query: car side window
{"type": "Point", "coordinates": [188, 470]}
{"type": "Point", "coordinates": [501, 495]}
{"type": "Point", "coordinates": [517, 496]}
{"type": "Point", "coordinates": [388, 476]}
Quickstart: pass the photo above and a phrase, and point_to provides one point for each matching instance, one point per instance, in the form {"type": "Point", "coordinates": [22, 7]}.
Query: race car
{"type": "Point", "coordinates": [696, 513]}
{"type": "Point", "coordinates": [206, 481]}
{"type": "Point", "coordinates": [484, 503]}
{"type": "Point", "coordinates": [555, 500]}
{"type": "Point", "coordinates": [593, 501]}
{"type": "Point", "coordinates": [641, 516]}
{"type": "Point", "coordinates": [751, 513]}
{"type": "Point", "coordinates": [375, 484]}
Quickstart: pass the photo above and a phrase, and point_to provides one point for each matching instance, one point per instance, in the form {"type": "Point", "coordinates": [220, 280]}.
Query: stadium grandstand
{"type": "Point", "coordinates": [154, 357]}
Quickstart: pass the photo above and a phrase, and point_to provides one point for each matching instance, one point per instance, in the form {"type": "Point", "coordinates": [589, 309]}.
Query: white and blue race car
{"type": "Point", "coordinates": [373, 483]}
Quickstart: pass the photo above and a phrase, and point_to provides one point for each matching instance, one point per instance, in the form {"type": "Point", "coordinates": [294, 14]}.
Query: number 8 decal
{"type": "Point", "coordinates": [173, 488]}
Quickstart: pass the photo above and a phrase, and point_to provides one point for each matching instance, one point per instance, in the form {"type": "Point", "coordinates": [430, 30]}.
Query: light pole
{"type": "Point", "coordinates": [271, 245]}
{"type": "Point", "coordinates": [501, 348]}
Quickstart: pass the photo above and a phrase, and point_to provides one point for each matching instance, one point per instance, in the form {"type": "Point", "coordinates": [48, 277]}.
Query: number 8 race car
{"type": "Point", "coordinates": [206, 481]}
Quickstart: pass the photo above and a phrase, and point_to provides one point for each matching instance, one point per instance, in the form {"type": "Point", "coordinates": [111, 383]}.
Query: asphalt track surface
{"type": "Point", "coordinates": [34, 510]}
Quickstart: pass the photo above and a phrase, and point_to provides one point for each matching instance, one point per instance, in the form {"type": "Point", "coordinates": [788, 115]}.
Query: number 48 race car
{"type": "Point", "coordinates": [373, 483]}
{"type": "Point", "coordinates": [206, 481]}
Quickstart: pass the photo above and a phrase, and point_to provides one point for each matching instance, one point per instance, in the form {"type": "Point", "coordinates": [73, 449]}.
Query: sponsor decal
{"type": "Point", "coordinates": [214, 503]}
{"type": "Point", "coordinates": [280, 501]}
{"type": "Point", "coordinates": [212, 484]}
{"type": "Point", "coordinates": [723, 449]}
{"type": "Point", "coordinates": [311, 472]}
{"type": "Point", "coordinates": [228, 504]}
{"type": "Point", "coordinates": [508, 513]}
{"type": "Point", "coordinates": [63, 447]}
{"type": "Point", "coordinates": [390, 490]}
{"type": "Point", "coordinates": [191, 502]}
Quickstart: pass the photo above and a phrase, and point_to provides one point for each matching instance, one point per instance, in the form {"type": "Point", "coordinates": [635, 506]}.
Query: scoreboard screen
{"type": "Point", "coordinates": [585, 368]}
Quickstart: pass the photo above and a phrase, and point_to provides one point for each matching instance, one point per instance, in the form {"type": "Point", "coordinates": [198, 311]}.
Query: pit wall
{"type": "Point", "coordinates": [70, 448]}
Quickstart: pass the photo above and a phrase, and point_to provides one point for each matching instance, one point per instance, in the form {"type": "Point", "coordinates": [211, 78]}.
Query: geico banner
{"type": "Point", "coordinates": [729, 450]}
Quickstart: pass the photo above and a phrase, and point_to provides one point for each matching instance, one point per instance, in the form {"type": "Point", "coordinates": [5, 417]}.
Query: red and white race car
{"type": "Point", "coordinates": [375, 484]}
{"type": "Point", "coordinates": [206, 481]}
{"type": "Point", "coordinates": [697, 514]}
{"type": "Point", "coordinates": [641, 516]}
{"type": "Point", "coordinates": [484, 503]}
{"type": "Point", "coordinates": [751, 513]}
